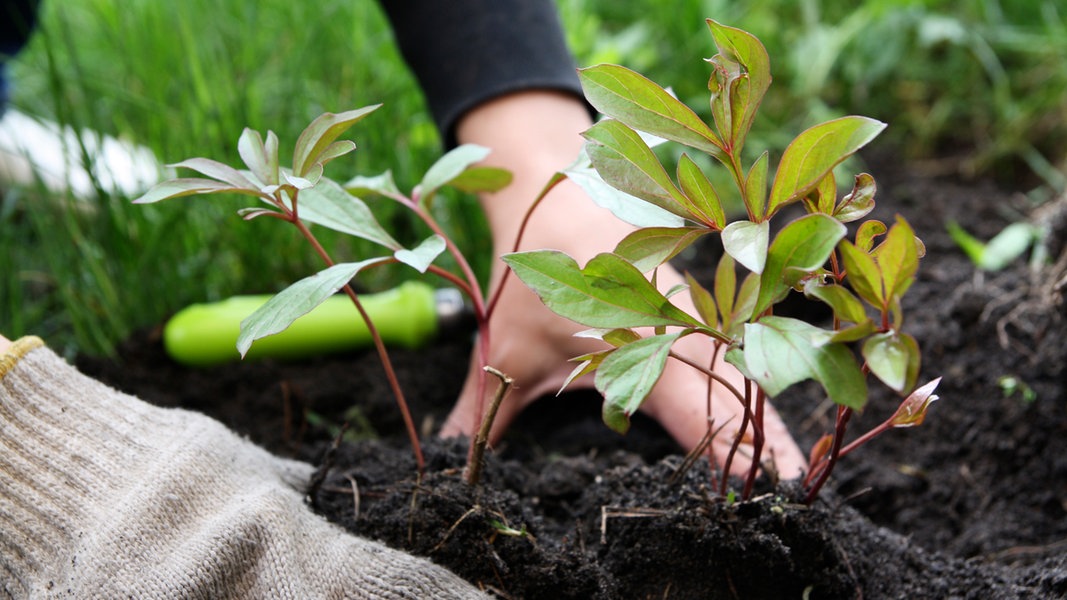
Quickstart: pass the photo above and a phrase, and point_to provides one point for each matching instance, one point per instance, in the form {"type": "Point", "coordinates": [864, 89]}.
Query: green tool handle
{"type": "Point", "coordinates": [206, 334]}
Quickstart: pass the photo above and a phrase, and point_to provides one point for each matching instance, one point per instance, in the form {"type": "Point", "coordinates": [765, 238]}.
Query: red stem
{"type": "Point", "coordinates": [843, 415]}
{"type": "Point", "coordinates": [379, 345]}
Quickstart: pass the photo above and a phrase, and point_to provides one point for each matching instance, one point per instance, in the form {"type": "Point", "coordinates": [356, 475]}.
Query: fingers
{"type": "Point", "coordinates": [4, 344]}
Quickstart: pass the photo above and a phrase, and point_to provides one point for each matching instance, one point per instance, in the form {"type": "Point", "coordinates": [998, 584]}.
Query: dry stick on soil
{"type": "Point", "coordinates": [474, 467]}
{"type": "Point", "coordinates": [607, 512]}
{"type": "Point", "coordinates": [355, 496]}
{"type": "Point", "coordinates": [319, 476]}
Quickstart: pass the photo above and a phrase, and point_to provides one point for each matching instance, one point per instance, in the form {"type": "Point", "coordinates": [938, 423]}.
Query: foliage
{"type": "Point", "coordinates": [303, 196]}
{"type": "Point", "coordinates": [861, 279]}
{"type": "Point", "coordinates": [1000, 251]}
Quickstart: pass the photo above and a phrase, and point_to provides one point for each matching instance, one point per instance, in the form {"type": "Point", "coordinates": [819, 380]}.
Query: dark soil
{"type": "Point", "coordinates": [972, 504]}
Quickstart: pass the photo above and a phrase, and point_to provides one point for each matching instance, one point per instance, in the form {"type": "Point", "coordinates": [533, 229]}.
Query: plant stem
{"type": "Point", "coordinates": [844, 413]}
{"type": "Point", "coordinates": [474, 465]}
{"type": "Point", "coordinates": [757, 442]}
{"type": "Point", "coordinates": [379, 345]}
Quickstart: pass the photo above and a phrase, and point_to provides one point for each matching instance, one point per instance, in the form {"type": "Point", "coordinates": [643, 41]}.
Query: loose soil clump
{"type": "Point", "coordinates": [972, 504]}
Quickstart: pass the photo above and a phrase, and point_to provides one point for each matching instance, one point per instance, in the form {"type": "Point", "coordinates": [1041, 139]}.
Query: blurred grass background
{"type": "Point", "coordinates": [976, 88]}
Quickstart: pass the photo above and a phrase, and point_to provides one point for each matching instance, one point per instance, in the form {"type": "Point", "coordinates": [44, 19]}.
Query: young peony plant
{"type": "Point", "coordinates": [861, 279]}
{"type": "Point", "coordinates": [303, 196]}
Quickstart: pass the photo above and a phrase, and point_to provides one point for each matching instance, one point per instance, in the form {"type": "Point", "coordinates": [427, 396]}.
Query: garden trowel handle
{"type": "Point", "coordinates": [407, 316]}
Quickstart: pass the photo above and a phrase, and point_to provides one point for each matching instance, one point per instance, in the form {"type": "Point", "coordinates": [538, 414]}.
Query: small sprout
{"type": "Point", "coordinates": [1011, 385]}
{"type": "Point", "coordinates": [999, 252]}
{"type": "Point", "coordinates": [503, 528]}
{"type": "Point", "coordinates": [912, 411]}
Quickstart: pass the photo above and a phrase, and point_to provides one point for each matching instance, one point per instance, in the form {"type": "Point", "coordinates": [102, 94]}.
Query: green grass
{"type": "Point", "coordinates": [979, 81]}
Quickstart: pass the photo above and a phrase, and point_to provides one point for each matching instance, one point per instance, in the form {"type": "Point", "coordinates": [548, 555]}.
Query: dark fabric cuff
{"type": "Point", "coordinates": [465, 52]}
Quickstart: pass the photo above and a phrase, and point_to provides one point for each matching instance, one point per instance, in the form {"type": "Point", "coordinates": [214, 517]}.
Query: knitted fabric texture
{"type": "Point", "coordinates": [104, 496]}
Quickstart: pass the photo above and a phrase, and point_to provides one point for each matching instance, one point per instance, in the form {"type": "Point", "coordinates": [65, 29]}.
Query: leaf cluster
{"type": "Point", "coordinates": [861, 278]}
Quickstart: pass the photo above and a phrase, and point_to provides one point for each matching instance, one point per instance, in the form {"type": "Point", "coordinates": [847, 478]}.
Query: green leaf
{"type": "Point", "coordinates": [321, 133]}
{"type": "Point", "coordinates": [627, 376]}
{"type": "Point", "coordinates": [336, 150]}
{"type": "Point", "coordinates": [746, 299]}
{"type": "Point", "coordinates": [756, 187]}
{"type": "Point", "coordinates": [296, 301]}
{"type": "Point", "coordinates": [481, 179]}
{"type": "Point", "coordinates": [329, 205]}
{"type": "Point", "coordinates": [825, 193]}
{"type": "Point", "coordinates": [634, 100]}
{"type": "Point", "coordinates": [893, 358]}
{"type": "Point", "coordinates": [626, 207]}
{"type": "Point", "coordinates": [804, 244]}
{"type": "Point", "coordinates": [863, 274]}
{"type": "Point", "coordinates": [650, 247]}
{"type": "Point", "coordinates": [1001, 251]}
{"type": "Point", "coordinates": [608, 293]}
{"type": "Point", "coordinates": [587, 363]}
{"type": "Point", "coordinates": [448, 168]}
{"type": "Point", "coordinates": [725, 286]}
{"type": "Point", "coordinates": [747, 243]}
{"type": "Point", "coordinates": [382, 185]}
{"type": "Point", "coordinates": [868, 230]}
{"type": "Point", "coordinates": [845, 305]}
{"type": "Point", "coordinates": [703, 302]}
{"type": "Point", "coordinates": [859, 202]}
{"type": "Point", "coordinates": [779, 352]}
{"type": "Point", "coordinates": [815, 152]}
{"type": "Point", "coordinates": [753, 79]}
{"type": "Point", "coordinates": [626, 162]}
{"type": "Point", "coordinates": [701, 200]}
{"type": "Point", "coordinates": [176, 188]}
{"type": "Point", "coordinates": [897, 259]}
{"type": "Point", "coordinates": [422, 256]}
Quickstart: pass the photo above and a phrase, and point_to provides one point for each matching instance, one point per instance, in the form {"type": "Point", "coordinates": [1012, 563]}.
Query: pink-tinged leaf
{"type": "Point", "coordinates": [700, 196]}
{"type": "Point", "coordinates": [859, 202]}
{"type": "Point", "coordinates": [650, 247]}
{"type": "Point", "coordinates": [819, 450]}
{"type": "Point", "coordinates": [897, 258]}
{"type": "Point", "coordinates": [321, 133]}
{"type": "Point", "coordinates": [422, 256]}
{"type": "Point", "coordinates": [176, 188]}
{"type": "Point", "coordinates": [863, 275]}
{"type": "Point", "coordinates": [745, 93]}
{"type": "Point", "coordinates": [912, 411]}
{"type": "Point", "coordinates": [638, 102]}
{"type": "Point", "coordinates": [626, 163]}
{"type": "Point", "coordinates": [825, 195]}
{"type": "Point", "coordinates": [815, 152]}
{"type": "Point", "coordinates": [868, 230]}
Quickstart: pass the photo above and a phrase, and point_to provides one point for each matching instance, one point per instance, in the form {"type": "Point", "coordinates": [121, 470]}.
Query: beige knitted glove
{"type": "Point", "coordinates": [104, 496]}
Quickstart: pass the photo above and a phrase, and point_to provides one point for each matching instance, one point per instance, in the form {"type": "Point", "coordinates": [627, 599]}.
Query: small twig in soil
{"type": "Point", "coordinates": [319, 476]}
{"type": "Point", "coordinates": [414, 506]}
{"type": "Point", "coordinates": [695, 453]}
{"type": "Point", "coordinates": [472, 510]}
{"type": "Point", "coordinates": [1021, 551]}
{"type": "Point", "coordinates": [474, 469]}
{"type": "Point", "coordinates": [355, 496]}
{"type": "Point", "coordinates": [607, 512]}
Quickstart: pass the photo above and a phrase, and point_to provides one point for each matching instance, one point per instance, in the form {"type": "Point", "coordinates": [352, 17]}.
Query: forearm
{"type": "Point", "coordinates": [466, 52]}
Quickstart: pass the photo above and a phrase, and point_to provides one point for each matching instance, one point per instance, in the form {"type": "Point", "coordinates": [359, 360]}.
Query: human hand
{"type": "Point", "coordinates": [4, 344]}
{"type": "Point", "coordinates": [535, 134]}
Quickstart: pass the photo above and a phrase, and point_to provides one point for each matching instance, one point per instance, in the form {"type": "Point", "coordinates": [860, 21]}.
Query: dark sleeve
{"type": "Point", "coordinates": [464, 52]}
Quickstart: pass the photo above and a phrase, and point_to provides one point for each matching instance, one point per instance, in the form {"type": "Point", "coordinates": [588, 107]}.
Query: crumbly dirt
{"type": "Point", "coordinates": [972, 504]}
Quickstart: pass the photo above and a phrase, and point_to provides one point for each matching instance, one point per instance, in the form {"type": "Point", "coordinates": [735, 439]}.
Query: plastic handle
{"type": "Point", "coordinates": [206, 334]}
